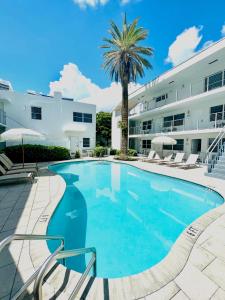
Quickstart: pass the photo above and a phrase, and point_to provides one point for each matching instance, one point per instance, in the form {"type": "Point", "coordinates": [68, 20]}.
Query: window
{"type": "Point", "coordinates": [176, 120]}
{"type": "Point", "coordinates": [77, 117]}
{"type": "Point", "coordinates": [82, 117]}
{"type": "Point", "coordinates": [179, 120]}
{"type": "Point", "coordinates": [167, 147]}
{"type": "Point", "coordinates": [146, 144]}
{"type": "Point", "coordinates": [87, 118]}
{"type": "Point", "coordinates": [214, 81]}
{"type": "Point", "coordinates": [36, 113]}
{"type": "Point", "coordinates": [147, 125]}
{"type": "Point", "coordinates": [179, 146]}
{"type": "Point", "coordinates": [168, 121]}
{"type": "Point", "coordinates": [4, 86]}
{"type": "Point", "coordinates": [86, 142]}
{"type": "Point", "coordinates": [216, 113]}
{"type": "Point", "coordinates": [162, 97]}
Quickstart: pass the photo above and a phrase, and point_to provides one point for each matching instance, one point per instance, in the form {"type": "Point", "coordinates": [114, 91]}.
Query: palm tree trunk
{"type": "Point", "coordinates": [124, 114]}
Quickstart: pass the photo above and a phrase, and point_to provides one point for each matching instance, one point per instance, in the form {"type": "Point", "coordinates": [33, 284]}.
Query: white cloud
{"type": "Point", "coordinates": [93, 3]}
{"type": "Point", "coordinates": [74, 84]}
{"type": "Point", "coordinates": [207, 44]}
{"type": "Point", "coordinates": [184, 46]}
{"type": "Point", "coordinates": [223, 30]}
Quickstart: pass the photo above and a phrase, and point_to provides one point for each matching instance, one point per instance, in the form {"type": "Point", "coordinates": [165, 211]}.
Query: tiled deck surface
{"type": "Point", "coordinates": [200, 265]}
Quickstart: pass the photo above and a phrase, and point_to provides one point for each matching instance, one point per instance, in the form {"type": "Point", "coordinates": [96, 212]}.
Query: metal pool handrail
{"type": "Point", "coordinates": [62, 255]}
{"type": "Point", "coordinates": [22, 237]}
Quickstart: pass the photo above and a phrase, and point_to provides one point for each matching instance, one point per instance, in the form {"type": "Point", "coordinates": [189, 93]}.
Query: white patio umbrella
{"type": "Point", "coordinates": [163, 140]}
{"type": "Point", "coordinates": [20, 134]}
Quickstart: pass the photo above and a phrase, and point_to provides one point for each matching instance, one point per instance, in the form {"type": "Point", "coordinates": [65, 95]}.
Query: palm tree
{"type": "Point", "coordinates": [125, 61]}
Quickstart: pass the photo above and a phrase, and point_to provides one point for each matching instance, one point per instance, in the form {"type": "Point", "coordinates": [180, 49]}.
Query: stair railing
{"type": "Point", "coordinates": [217, 143]}
{"type": "Point", "coordinates": [62, 255]}
{"type": "Point", "coordinates": [216, 157]}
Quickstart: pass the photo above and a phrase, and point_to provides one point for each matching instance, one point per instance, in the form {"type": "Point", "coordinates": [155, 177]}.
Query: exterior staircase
{"type": "Point", "coordinates": [217, 167]}
{"type": "Point", "coordinates": [215, 156]}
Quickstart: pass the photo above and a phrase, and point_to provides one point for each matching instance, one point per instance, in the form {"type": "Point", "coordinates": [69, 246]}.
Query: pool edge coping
{"type": "Point", "coordinates": [153, 279]}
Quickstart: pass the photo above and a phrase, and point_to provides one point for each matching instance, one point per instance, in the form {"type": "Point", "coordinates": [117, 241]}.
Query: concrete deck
{"type": "Point", "coordinates": [194, 268]}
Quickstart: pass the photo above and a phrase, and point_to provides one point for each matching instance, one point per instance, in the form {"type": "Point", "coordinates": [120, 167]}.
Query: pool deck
{"type": "Point", "coordinates": [193, 269]}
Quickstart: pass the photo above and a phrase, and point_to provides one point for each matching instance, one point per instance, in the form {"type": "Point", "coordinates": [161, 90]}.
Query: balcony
{"type": "Point", "coordinates": [176, 126]}
{"type": "Point", "coordinates": [2, 118]}
{"type": "Point", "coordinates": [185, 91]}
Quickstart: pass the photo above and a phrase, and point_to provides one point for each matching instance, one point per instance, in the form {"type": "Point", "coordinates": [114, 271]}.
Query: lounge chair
{"type": "Point", "coordinates": [10, 170]}
{"type": "Point", "coordinates": [177, 160]}
{"type": "Point", "coordinates": [155, 159]}
{"type": "Point", "coordinates": [150, 156]}
{"type": "Point", "coordinates": [17, 166]}
{"type": "Point", "coordinates": [14, 178]}
{"type": "Point", "coordinates": [191, 162]}
{"type": "Point", "coordinates": [166, 159]}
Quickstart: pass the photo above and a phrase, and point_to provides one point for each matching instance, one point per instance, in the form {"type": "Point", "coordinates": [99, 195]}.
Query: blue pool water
{"type": "Point", "coordinates": [132, 217]}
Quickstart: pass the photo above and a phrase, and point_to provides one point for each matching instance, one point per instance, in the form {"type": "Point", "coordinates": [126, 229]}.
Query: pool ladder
{"type": "Point", "coordinates": [38, 276]}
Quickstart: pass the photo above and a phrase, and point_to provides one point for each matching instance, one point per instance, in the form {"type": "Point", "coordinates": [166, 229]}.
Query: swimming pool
{"type": "Point", "coordinates": [132, 217]}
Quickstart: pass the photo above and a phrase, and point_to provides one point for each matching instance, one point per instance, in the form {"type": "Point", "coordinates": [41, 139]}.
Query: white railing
{"type": "Point", "coordinates": [215, 150]}
{"type": "Point", "coordinates": [175, 94]}
{"type": "Point", "coordinates": [165, 127]}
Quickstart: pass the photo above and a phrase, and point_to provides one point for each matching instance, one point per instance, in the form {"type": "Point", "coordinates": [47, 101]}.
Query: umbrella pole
{"type": "Point", "coordinates": [22, 152]}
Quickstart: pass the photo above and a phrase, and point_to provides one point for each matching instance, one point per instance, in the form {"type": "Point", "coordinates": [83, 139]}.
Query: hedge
{"type": "Point", "coordinates": [100, 151]}
{"type": "Point", "coordinates": [36, 153]}
{"type": "Point", "coordinates": [130, 152]}
{"type": "Point", "coordinates": [113, 151]}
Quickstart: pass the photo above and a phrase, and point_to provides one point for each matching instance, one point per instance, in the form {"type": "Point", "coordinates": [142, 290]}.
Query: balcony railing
{"type": "Point", "coordinates": [2, 117]}
{"type": "Point", "coordinates": [166, 128]}
{"type": "Point", "coordinates": [185, 91]}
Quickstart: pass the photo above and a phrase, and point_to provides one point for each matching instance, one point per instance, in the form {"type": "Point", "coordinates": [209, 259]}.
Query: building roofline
{"type": "Point", "coordinates": [176, 67]}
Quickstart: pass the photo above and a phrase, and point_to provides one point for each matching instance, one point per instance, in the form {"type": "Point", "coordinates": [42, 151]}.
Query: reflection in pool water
{"type": "Point", "coordinates": [132, 217]}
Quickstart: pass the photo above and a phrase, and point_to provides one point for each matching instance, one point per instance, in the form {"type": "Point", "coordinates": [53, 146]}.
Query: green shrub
{"type": "Point", "coordinates": [113, 151]}
{"type": "Point", "coordinates": [130, 152]}
{"type": "Point", "coordinates": [36, 153]}
{"type": "Point", "coordinates": [77, 154]}
{"type": "Point", "coordinates": [118, 152]}
{"type": "Point", "coordinates": [99, 151]}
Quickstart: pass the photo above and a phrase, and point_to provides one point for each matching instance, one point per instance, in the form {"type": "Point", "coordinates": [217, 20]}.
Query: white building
{"type": "Point", "coordinates": [186, 103]}
{"type": "Point", "coordinates": [63, 121]}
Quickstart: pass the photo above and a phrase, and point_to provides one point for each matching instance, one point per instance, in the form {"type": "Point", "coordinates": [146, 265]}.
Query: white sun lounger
{"type": "Point", "coordinates": [14, 178]}
{"type": "Point", "coordinates": [15, 171]}
{"type": "Point", "coordinates": [166, 159]}
{"type": "Point", "coordinates": [150, 156]}
{"type": "Point", "coordinates": [16, 166]}
{"type": "Point", "coordinates": [191, 162]}
{"type": "Point", "coordinates": [156, 158]}
{"type": "Point", "coordinates": [177, 160]}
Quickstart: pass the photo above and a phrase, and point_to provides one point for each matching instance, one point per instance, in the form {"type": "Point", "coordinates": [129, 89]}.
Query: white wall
{"type": "Point", "coordinates": [56, 113]}
{"type": "Point", "coordinates": [116, 131]}
{"type": "Point", "coordinates": [182, 82]}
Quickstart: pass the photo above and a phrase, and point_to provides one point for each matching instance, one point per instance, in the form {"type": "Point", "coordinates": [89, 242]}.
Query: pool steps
{"type": "Point", "coordinates": [49, 268]}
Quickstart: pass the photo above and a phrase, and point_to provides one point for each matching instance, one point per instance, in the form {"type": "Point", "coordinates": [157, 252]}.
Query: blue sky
{"type": "Point", "coordinates": [40, 38]}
